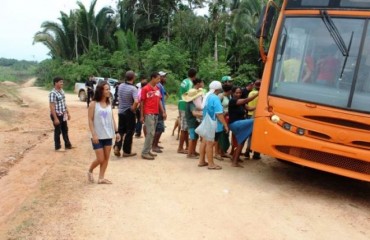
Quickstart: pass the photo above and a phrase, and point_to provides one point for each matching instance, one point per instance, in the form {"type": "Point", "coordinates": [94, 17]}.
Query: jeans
{"type": "Point", "coordinates": [90, 96]}
{"type": "Point", "coordinates": [126, 128]}
{"type": "Point", "coordinates": [138, 125]}
{"type": "Point", "coordinates": [150, 121]}
{"type": "Point", "coordinates": [62, 128]}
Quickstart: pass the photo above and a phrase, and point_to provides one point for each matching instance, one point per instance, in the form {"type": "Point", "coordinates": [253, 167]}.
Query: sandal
{"type": "Point", "coordinates": [203, 164]}
{"type": "Point", "coordinates": [182, 151]}
{"type": "Point", "coordinates": [237, 165]}
{"type": "Point", "coordinates": [104, 181]}
{"type": "Point", "coordinates": [216, 167]}
{"type": "Point", "coordinates": [218, 157]}
{"type": "Point", "coordinates": [90, 177]}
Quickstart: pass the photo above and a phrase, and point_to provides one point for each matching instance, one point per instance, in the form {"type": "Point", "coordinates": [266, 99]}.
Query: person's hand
{"type": "Point", "coordinates": [56, 121]}
{"type": "Point", "coordinates": [69, 116]}
{"type": "Point", "coordinates": [142, 120]}
{"type": "Point", "coordinates": [164, 116]}
{"type": "Point", "coordinates": [118, 137]}
{"type": "Point", "coordinates": [95, 138]}
{"type": "Point", "coordinates": [226, 128]}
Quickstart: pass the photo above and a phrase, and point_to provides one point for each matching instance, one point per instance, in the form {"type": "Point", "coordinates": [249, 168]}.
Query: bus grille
{"type": "Point", "coordinates": [334, 160]}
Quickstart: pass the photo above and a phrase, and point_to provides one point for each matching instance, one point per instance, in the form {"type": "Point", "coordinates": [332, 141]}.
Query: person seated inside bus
{"type": "Point", "coordinates": [328, 67]}
{"type": "Point", "coordinates": [291, 67]}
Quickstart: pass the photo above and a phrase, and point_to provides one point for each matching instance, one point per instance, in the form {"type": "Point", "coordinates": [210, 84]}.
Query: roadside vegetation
{"type": "Point", "coordinates": [16, 71]}
{"type": "Point", "coordinates": [147, 36]}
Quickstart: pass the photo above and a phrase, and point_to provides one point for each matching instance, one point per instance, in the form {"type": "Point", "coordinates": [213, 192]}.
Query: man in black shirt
{"type": "Point", "coordinates": [90, 89]}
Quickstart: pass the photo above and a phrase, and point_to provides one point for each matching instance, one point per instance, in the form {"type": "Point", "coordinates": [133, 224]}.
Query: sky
{"type": "Point", "coordinates": [21, 19]}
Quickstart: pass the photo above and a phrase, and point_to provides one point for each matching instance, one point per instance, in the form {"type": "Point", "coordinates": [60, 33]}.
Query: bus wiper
{"type": "Point", "coordinates": [334, 33]}
{"type": "Point", "coordinates": [345, 59]}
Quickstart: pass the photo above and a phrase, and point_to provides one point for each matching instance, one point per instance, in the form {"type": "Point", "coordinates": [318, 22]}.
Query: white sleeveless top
{"type": "Point", "coordinates": [103, 122]}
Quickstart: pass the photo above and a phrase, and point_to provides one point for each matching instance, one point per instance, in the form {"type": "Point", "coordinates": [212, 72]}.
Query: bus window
{"type": "Point", "coordinates": [361, 98]}
{"type": "Point", "coordinates": [310, 67]}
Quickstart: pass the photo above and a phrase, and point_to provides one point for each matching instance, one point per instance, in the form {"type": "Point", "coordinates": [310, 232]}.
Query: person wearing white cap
{"type": "Point", "coordinates": [212, 106]}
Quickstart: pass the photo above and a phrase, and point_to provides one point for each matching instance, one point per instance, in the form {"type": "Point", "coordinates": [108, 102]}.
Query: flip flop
{"type": "Point", "coordinates": [202, 164]}
{"type": "Point", "coordinates": [104, 181]}
{"type": "Point", "coordinates": [182, 151]}
{"type": "Point", "coordinates": [216, 167]}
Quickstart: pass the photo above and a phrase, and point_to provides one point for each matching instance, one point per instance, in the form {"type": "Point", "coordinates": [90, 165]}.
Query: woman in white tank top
{"type": "Point", "coordinates": [103, 128]}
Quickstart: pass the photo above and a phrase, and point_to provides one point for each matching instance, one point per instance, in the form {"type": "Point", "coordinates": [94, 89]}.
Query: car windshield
{"type": "Point", "coordinates": [318, 65]}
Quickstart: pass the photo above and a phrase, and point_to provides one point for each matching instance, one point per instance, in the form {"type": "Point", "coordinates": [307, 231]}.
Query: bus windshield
{"type": "Point", "coordinates": [311, 66]}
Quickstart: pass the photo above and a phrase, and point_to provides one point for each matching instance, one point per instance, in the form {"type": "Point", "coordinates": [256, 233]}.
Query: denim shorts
{"type": "Point", "coordinates": [102, 143]}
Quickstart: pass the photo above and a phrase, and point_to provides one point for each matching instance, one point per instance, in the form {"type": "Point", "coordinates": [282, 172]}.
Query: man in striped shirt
{"type": "Point", "coordinates": [127, 105]}
{"type": "Point", "coordinates": [59, 114]}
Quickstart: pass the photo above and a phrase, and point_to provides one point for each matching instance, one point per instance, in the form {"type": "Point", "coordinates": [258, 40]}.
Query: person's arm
{"type": "Point", "coordinates": [118, 135]}
{"type": "Point", "coordinates": [136, 102]}
{"type": "Point", "coordinates": [221, 118]}
{"type": "Point", "coordinates": [197, 114]}
{"type": "Point", "coordinates": [90, 117]}
{"type": "Point", "coordinates": [54, 114]}
{"type": "Point", "coordinates": [243, 101]}
{"type": "Point", "coordinates": [161, 109]}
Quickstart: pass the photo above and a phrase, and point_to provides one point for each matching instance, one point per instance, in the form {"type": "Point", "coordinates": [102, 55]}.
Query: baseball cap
{"type": "Point", "coordinates": [161, 73]}
{"type": "Point", "coordinates": [226, 78]}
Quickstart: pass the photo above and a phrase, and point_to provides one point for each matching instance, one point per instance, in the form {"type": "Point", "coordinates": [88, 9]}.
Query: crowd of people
{"type": "Point", "coordinates": [207, 116]}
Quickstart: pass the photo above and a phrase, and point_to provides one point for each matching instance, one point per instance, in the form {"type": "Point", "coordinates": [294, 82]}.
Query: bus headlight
{"type": "Point", "coordinates": [300, 131]}
{"type": "Point", "coordinates": [275, 118]}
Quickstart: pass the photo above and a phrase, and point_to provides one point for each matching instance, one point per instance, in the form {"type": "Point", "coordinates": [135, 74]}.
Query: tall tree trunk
{"type": "Point", "coordinates": [216, 48]}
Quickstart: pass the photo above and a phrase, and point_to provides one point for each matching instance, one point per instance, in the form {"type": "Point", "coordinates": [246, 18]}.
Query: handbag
{"type": "Point", "coordinates": [207, 128]}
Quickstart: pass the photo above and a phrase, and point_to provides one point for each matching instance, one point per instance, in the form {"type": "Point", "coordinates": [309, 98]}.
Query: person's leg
{"type": "Point", "coordinates": [121, 129]}
{"type": "Point", "coordinates": [104, 164]}
{"type": "Point", "coordinates": [138, 125]}
{"type": "Point", "coordinates": [209, 152]}
{"type": "Point", "coordinates": [150, 121]}
{"type": "Point", "coordinates": [99, 152]}
{"type": "Point", "coordinates": [57, 132]}
{"type": "Point", "coordinates": [88, 98]}
{"type": "Point", "coordinates": [158, 132]}
{"type": "Point", "coordinates": [192, 143]}
{"type": "Point", "coordinates": [64, 130]}
{"type": "Point", "coordinates": [202, 152]}
{"type": "Point", "coordinates": [236, 156]}
{"type": "Point", "coordinates": [183, 134]}
{"type": "Point", "coordinates": [130, 129]}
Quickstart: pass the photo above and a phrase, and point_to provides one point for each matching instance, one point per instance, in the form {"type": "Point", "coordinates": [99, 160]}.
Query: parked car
{"type": "Point", "coordinates": [80, 88]}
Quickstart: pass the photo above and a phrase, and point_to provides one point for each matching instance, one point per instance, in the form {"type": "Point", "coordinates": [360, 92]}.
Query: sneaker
{"type": "Point", "coordinates": [116, 151]}
{"type": "Point", "coordinates": [256, 157]}
{"type": "Point", "coordinates": [152, 154]}
{"type": "Point", "coordinates": [60, 150]}
{"type": "Point", "coordinates": [128, 154]}
{"type": "Point", "coordinates": [147, 156]}
{"type": "Point", "coordinates": [157, 150]}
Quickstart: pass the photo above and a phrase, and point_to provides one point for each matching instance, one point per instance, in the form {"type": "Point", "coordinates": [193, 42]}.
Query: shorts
{"type": "Point", "coordinates": [217, 136]}
{"type": "Point", "coordinates": [184, 123]}
{"type": "Point", "coordinates": [192, 134]}
{"type": "Point", "coordinates": [160, 124]}
{"type": "Point", "coordinates": [102, 143]}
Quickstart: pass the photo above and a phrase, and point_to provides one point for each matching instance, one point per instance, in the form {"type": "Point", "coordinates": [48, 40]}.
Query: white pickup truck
{"type": "Point", "coordinates": [80, 88]}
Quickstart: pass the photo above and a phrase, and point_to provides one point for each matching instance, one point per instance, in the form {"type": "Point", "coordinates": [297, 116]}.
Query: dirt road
{"type": "Point", "coordinates": [45, 195]}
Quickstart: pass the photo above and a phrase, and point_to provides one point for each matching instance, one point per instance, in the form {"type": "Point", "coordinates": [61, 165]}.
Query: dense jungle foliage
{"type": "Point", "coordinates": [153, 35]}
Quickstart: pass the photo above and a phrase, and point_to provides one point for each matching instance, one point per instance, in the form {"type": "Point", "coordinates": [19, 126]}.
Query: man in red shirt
{"type": "Point", "coordinates": [151, 107]}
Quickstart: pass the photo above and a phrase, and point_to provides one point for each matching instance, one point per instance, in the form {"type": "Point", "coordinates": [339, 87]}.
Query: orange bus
{"type": "Point", "coordinates": [314, 102]}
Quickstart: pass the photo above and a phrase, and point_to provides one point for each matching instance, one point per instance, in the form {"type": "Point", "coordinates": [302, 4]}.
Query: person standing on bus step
{"type": "Point", "coordinates": [127, 104]}
{"type": "Point", "coordinates": [150, 107]}
{"type": "Point", "coordinates": [241, 127]}
{"type": "Point", "coordinates": [185, 86]}
{"type": "Point", "coordinates": [59, 114]}
{"type": "Point", "coordinates": [90, 89]}
{"type": "Point", "coordinates": [160, 124]}
{"type": "Point", "coordinates": [103, 128]}
{"type": "Point", "coordinates": [252, 105]}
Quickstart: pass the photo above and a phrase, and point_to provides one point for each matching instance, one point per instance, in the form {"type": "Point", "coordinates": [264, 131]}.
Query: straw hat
{"type": "Point", "coordinates": [192, 94]}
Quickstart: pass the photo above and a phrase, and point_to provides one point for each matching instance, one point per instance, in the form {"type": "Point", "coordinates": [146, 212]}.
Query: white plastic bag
{"type": "Point", "coordinates": [207, 128]}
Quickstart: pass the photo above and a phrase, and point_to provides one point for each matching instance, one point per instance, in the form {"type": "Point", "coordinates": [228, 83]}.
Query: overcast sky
{"type": "Point", "coordinates": [21, 19]}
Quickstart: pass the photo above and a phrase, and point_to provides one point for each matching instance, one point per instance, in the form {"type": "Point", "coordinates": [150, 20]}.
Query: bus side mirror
{"type": "Point", "coordinates": [264, 27]}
